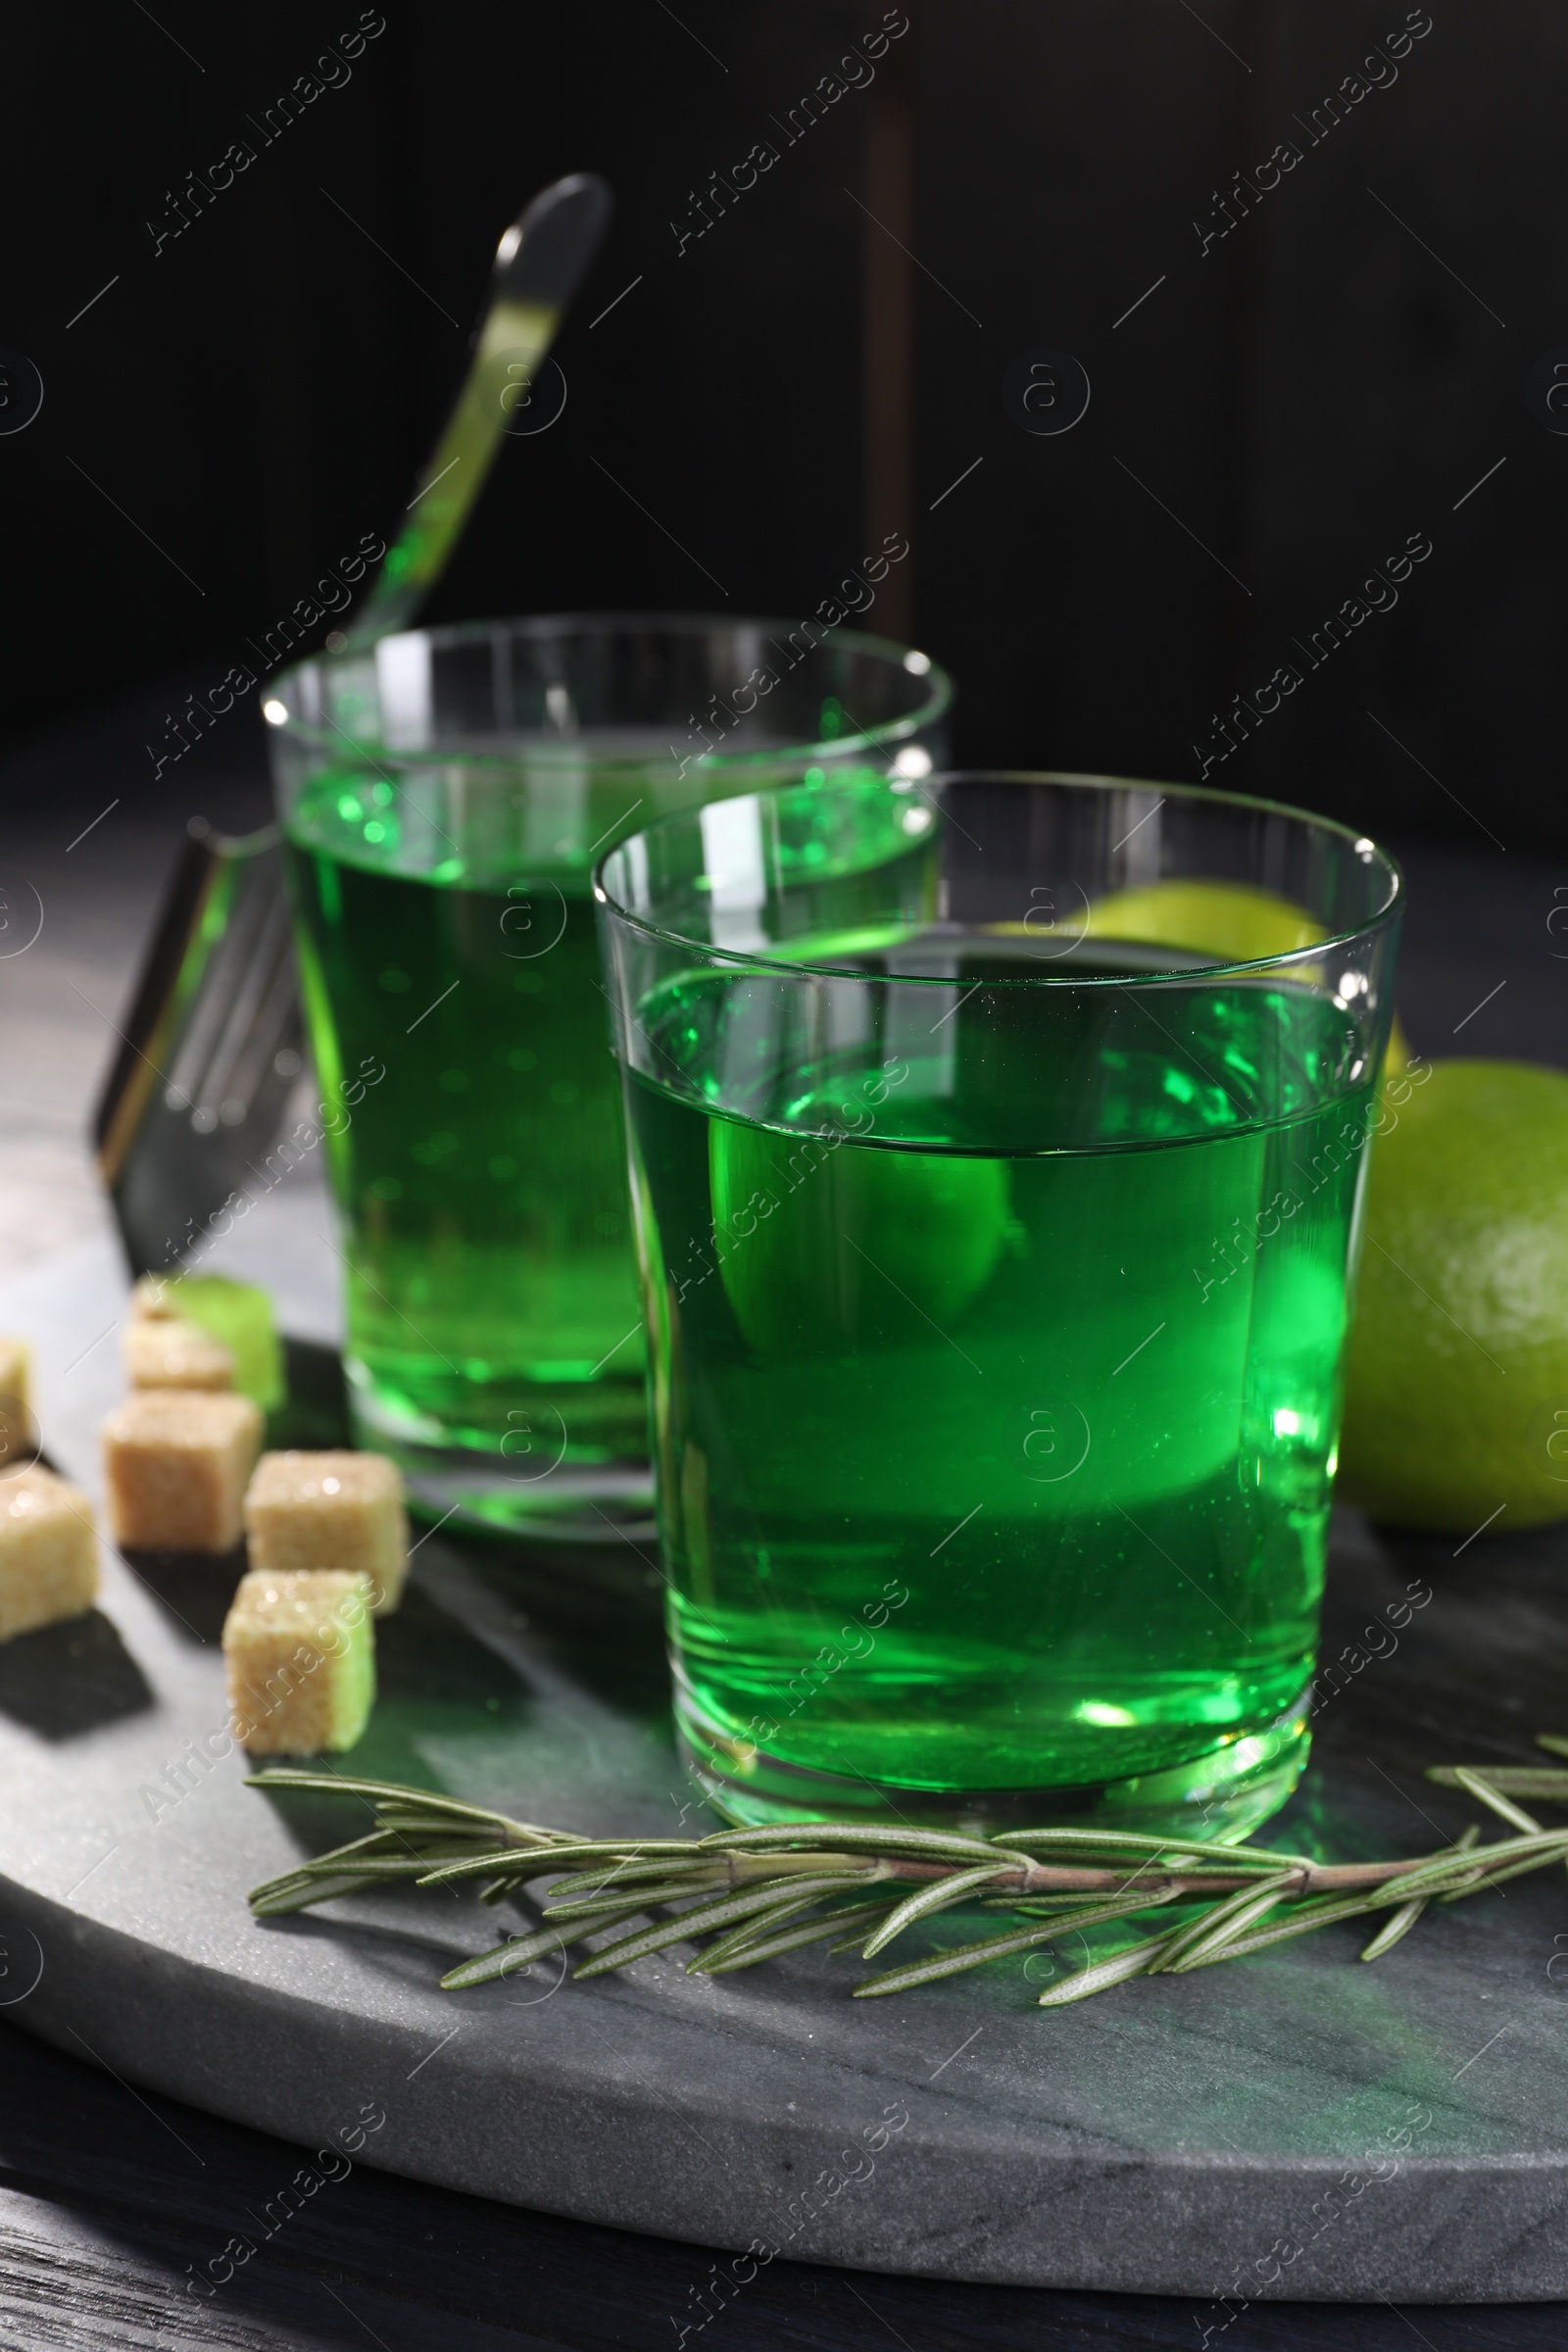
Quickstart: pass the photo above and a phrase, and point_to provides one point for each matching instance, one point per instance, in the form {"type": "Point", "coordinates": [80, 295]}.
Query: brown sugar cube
{"type": "Point", "coordinates": [330, 1510]}
{"type": "Point", "coordinates": [166, 1352]}
{"type": "Point", "coordinates": [301, 1658]}
{"type": "Point", "coordinates": [175, 1461]}
{"type": "Point", "coordinates": [48, 1551]}
{"type": "Point", "coordinates": [150, 1299]}
{"type": "Point", "coordinates": [16, 1419]}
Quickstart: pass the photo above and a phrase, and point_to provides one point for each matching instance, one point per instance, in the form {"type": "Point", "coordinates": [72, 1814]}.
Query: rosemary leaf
{"type": "Point", "coordinates": [1552, 1741]}
{"type": "Point", "coordinates": [1479, 1880]}
{"type": "Point", "coordinates": [605, 1850]}
{"type": "Point", "coordinates": [283, 1896]}
{"type": "Point", "coordinates": [343, 1784]}
{"type": "Point", "coordinates": [447, 1840]}
{"type": "Point", "coordinates": [940, 1895]}
{"type": "Point", "coordinates": [446, 1825]}
{"type": "Point", "coordinates": [317, 1881]}
{"type": "Point", "coordinates": [1221, 1923]}
{"type": "Point", "coordinates": [748, 1952]}
{"type": "Point", "coordinates": [723, 1913]}
{"type": "Point", "coordinates": [1322, 1911]}
{"type": "Point", "coordinates": [756, 1929]}
{"type": "Point", "coordinates": [1514, 1780]}
{"type": "Point", "coordinates": [1394, 1928]}
{"type": "Point", "coordinates": [918, 1846]}
{"type": "Point", "coordinates": [848, 1943]}
{"type": "Point", "coordinates": [1405, 1919]}
{"type": "Point", "coordinates": [1101, 1975]}
{"type": "Point", "coordinates": [502, 1961]}
{"type": "Point", "coordinates": [1041, 1906]}
{"type": "Point", "coordinates": [535, 1946]}
{"type": "Point", "coordinates": [1101, 1845]}
{"type": "Point", "coordinates": [417, 1800]}
{"type": "Point", "coordinates": [1445, 1871]}
{"type": "Point", "coordinates": [632, 1874]}
{"type": "Point", "coordinates": [378, 1842]}
{"type": "Point", "coordinates": [1479, 1783]}
{"type": "Point", "coordinates": [374, 1865]}
{"type": "Point", "coordinates": [666, 1890]}
{"type": "Point", "coordinates": [602, 1852]}
{"type": "Point", "coordinates": [1125, 1846]}
{"type": "Point", "coordinates": [955, 1958]}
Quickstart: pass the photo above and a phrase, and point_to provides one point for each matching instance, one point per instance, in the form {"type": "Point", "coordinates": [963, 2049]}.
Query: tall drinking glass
{"type": "Point", "coordinates": [443, 800]}
{"type": "Point", "coordinates": [997, 1150]}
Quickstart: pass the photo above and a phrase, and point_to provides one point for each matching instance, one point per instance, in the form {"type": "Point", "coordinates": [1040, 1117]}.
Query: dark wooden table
{"type": "Point", "coordinates": [109, 2199]}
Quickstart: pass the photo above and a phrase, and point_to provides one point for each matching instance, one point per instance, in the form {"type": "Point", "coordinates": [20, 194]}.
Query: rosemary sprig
{"type": "Point", "coordinates": [744, 1896]}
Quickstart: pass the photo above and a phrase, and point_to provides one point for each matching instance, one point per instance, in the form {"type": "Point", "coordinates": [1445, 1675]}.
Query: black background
{"type": "Point", "coordinates": [260, 392]}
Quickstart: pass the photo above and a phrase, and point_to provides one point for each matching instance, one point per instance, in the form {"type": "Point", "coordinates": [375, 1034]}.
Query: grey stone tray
{"type": "Point", "coordinates": [1296, 2125]}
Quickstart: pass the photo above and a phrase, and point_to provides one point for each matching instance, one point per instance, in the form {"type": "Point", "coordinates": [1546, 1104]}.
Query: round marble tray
{"type": "Point", "coordinates": [1296, 2127]}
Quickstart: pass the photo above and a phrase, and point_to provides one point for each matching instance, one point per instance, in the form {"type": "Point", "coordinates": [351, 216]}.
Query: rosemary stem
{"type": "Point", "coordinates": [738, 1895]}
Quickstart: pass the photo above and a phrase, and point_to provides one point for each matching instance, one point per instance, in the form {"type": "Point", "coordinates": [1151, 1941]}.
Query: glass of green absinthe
{"type": "Point", "coordinates": [443, 800]}
{"type": "Point", "coordinates": [997, 1146]}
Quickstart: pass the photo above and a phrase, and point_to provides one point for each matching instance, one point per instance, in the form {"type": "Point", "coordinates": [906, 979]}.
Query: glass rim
{"type": "Point", "coordinates": [907, 659]}
{"type": "Point", "coordinates": [755, 960]}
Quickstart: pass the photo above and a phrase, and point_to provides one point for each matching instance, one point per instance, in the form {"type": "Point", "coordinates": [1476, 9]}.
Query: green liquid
{"type": "Point", "coordinates": [492, 1300]}
{"type": "Point", "coordinates": [987, 1464]}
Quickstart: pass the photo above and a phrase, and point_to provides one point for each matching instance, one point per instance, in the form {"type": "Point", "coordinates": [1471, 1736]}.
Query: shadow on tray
{"type": "Point", "coordinates": [316, 1413]}
{"type": "Point", "coordinates": [194, 1587]}
{"type": "Point", "coordinates": [408, 1954]}
{"type": "Point", "coordinates": [67, 1679]}
{"type": "Point", "coordinates": [595, 1611]}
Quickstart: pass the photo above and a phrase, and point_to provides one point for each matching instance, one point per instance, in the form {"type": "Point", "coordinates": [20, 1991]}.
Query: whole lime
{"type": "Point", "coordinates": [1456, 1402]}
{"type": "Point", "coordinates": [822, 1245]}
{"type": "Point", "coordinates": [1234, 921]}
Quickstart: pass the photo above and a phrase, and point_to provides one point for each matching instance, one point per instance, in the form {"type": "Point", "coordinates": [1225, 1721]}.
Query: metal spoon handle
{"type": "Point", "coordinates": [540, 262]}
